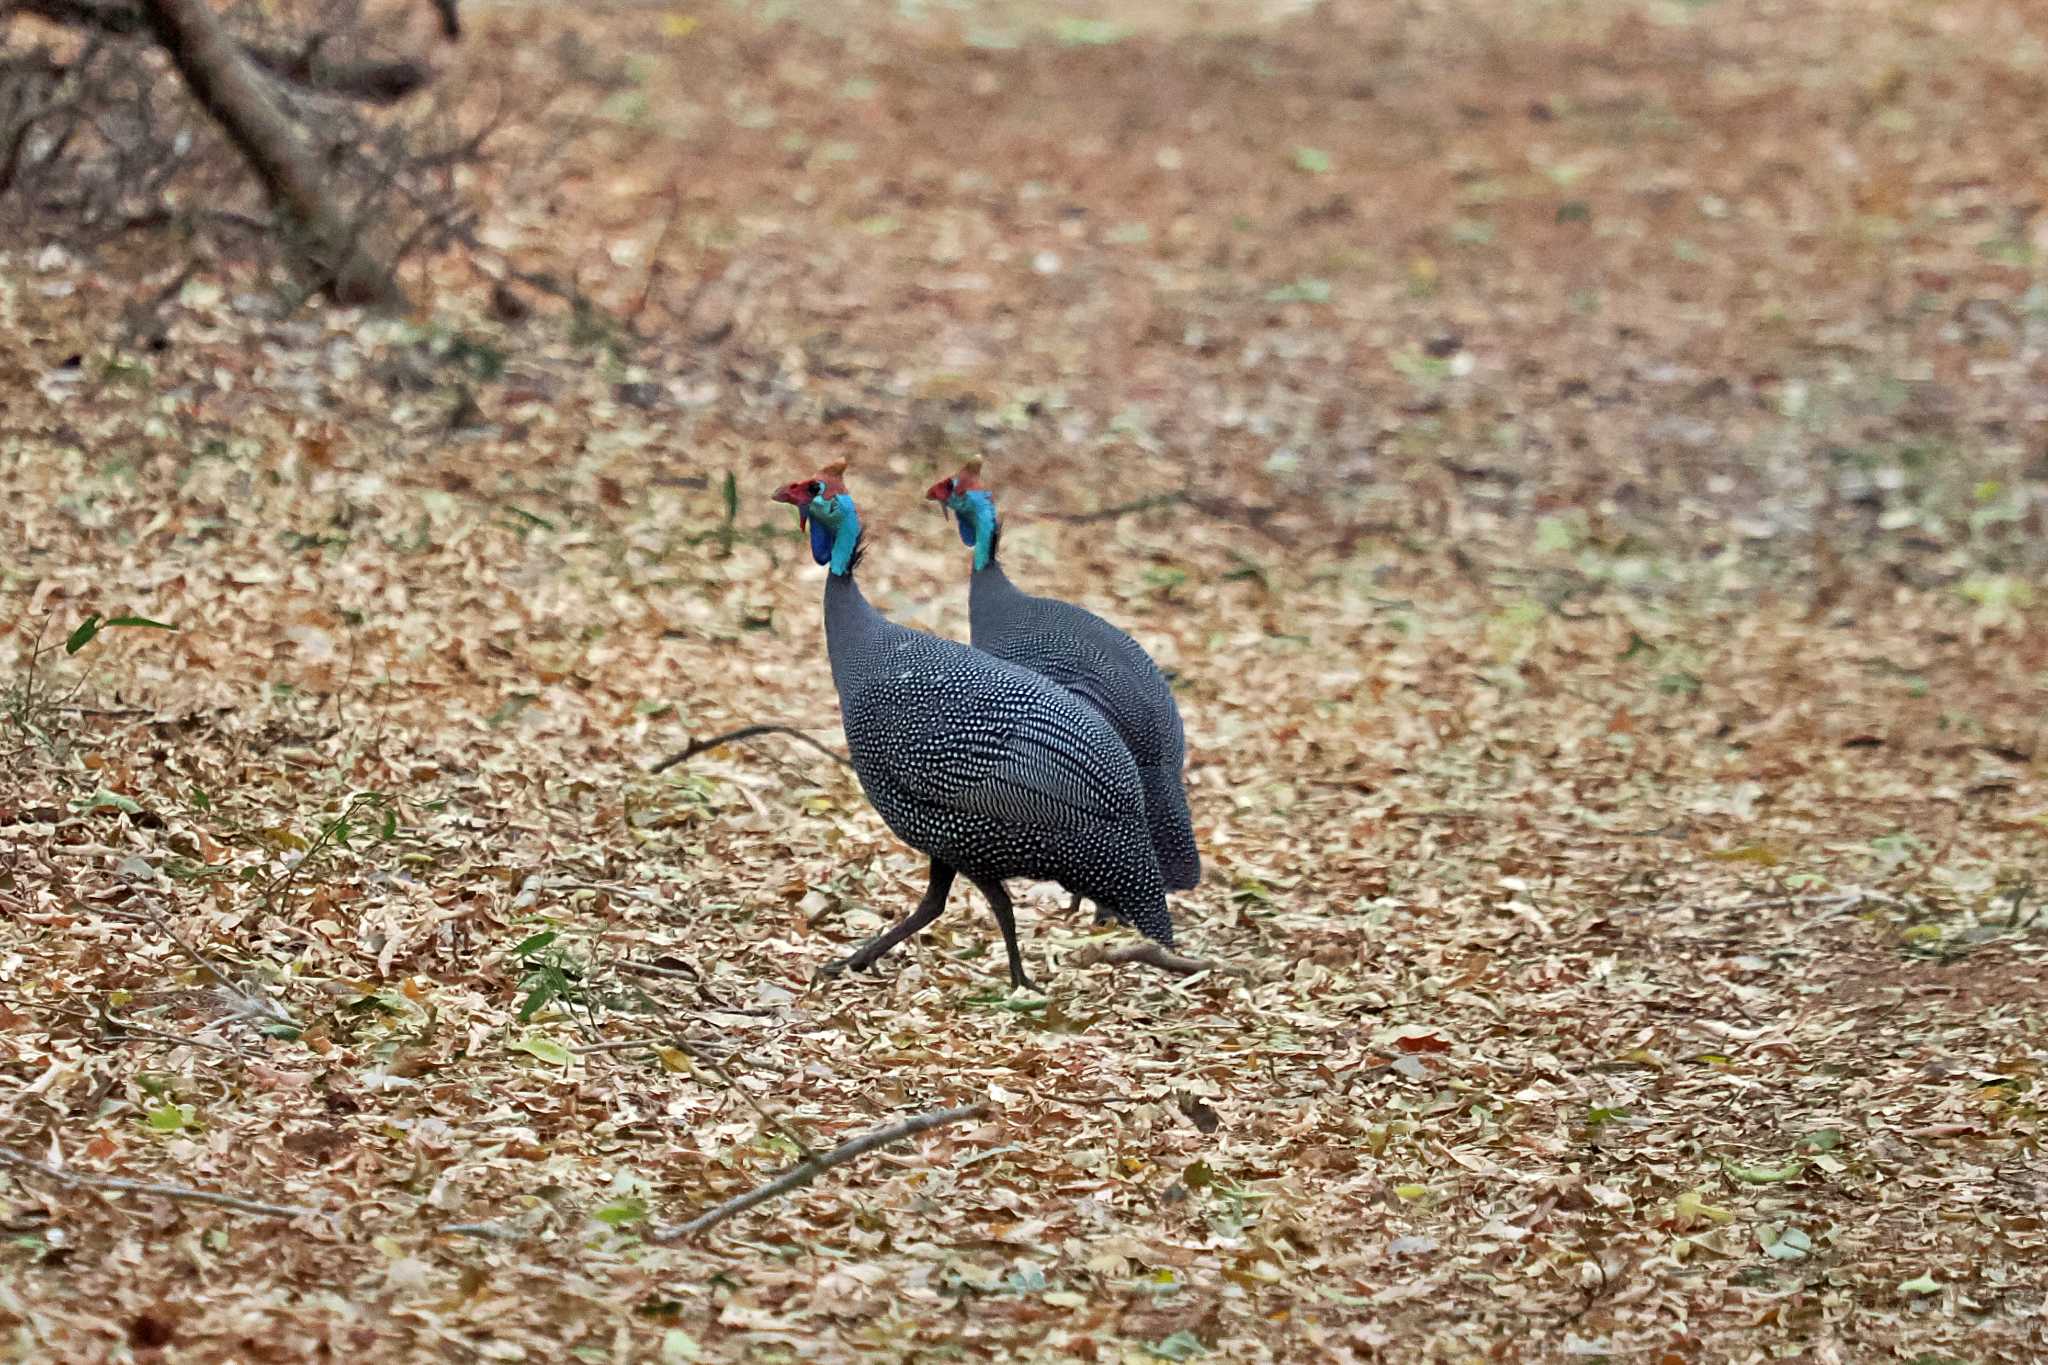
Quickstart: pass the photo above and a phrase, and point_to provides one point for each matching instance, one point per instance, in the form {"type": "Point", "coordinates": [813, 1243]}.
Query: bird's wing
{"type": "Point", "coordinates": [997, 745]}
{"type": "Point", "coordinates": [1075, 663]}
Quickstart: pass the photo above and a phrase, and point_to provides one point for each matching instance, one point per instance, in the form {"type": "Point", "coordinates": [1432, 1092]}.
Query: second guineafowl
{"type": "Point", "coordinates": [989, 769]}
{"type": "Point", "coordinates": [1091, 658]}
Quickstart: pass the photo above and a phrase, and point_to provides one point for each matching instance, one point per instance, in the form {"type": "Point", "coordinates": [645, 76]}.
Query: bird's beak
{"type": "Point", "coordinates": [787, 493]}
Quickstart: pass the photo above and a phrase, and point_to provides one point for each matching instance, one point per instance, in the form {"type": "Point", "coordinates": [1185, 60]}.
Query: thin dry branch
{"type": "Point", "coordinates": [1152, 954]}
{"type": "Point", "coordinates": [176, 1193]}
{"type": "Point", "coordinates": [804, 1172]}
{"type": "Point", "coordinates": [114, 1029]}
{"type": "Point", "coordinates": [249, 1002]}
{"type": "Point", "coordinates": [1834, 902]}
{"type": "Point", "coordinates": [601, 888]}
{"type": "Point", "coordinates": [1121, 509]}
{"type": "Point", "coordinates": [650, 969]}
{"type": "Point", "coordinates": [698, 746]}
{"type": "Point", "coordinates": [699, 1057]}
{"type": "Point", "coordinates": [1255, 516]}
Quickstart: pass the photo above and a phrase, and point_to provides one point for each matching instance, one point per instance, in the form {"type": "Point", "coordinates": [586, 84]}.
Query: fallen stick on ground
{"type": "Point", "coordinates": [246, 1001]}
{"type": "Point", "coordinates": [1153, 955]}
{"type": "Point", "coordinates": [177, 1193]}
{"type": "Point", "coordinates": [698, 746]}
{"type": "Point", "coordinates": [804, 1172]}
{"type": "Point", "coordinates": [601, 888]}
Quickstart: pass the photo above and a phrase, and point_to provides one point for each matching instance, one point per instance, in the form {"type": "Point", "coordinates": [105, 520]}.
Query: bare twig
{"type": "Point", "coordinates": [451, 21]}
{"type": "Point", "coordinates": [698, 746]}
{"type": "Point", "coordinates": [249, 1001]}
{"type": "Point", "coordinates": [1834, 902]}
{"type": "Point", "coordinates": [694, 977]}
{"type": "Point", "coordinates": [1252, 515]}
{"type": "Point", "coordinates": [121, 20]}
{"type": "Point", "coordinates": [116, 1029]}
{"type": "Point", "coordinates": [1153, 503]}
{"type": "Point", "coordinates": [810, 1169]}
{"type": "Point", "coordinates": [545, 283]}
{"type": "Point", "coordinates": [666, 973]}
{"type": "Point", "coordinates": [675, 205]}
{"type": "Point", "coordinates": [699, 1055]}
{"type": "Point", "coordinates": [176, 1193]}
{"type": "Point", "coordinates": [602, 888]}
{"type": "Point", "coordinates": [489, 1232]}
{"type": "Point", "coordinates": [1152, 954]}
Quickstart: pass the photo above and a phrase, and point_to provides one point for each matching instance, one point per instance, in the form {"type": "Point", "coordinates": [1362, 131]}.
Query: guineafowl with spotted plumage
{"type": "Point", "coordinates": [1090, 658]}
{"type": "Point", "coordinates": [989, 769]}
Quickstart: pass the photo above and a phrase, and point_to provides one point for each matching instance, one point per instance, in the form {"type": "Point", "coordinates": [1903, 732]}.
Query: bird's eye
{"type": "Point", "coordinates": [817, 488]}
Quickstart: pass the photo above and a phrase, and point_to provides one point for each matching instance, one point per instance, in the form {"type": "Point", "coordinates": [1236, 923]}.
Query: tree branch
{"type": "Point", "coordinates": [698, 746]}
{"type": "Point", "coordinates": [1153, 955]}
{"type": "Point", "coordinates": [804, 1172]}
{"type": "Point", "coordinates": [373, 82]}
{"type": "Point", "coordinates": [176, 1193]}
{"type": "Point", "coordinates": [224, 81]}
{"type": "Point", "coordinates": [104, 16]}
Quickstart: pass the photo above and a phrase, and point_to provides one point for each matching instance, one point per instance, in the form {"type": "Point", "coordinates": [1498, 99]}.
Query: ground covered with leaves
{"type": "Point", "coordinates": [1583, 464]}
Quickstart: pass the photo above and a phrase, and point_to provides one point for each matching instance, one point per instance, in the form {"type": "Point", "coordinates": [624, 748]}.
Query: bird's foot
{"type": "Point", "coordinates": [853, 962]}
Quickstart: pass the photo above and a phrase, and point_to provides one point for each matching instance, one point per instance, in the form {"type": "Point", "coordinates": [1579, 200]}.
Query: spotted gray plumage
{"type": "Point", "coordinates": [1112, 673]}
{"type": "Point", "coordinates": [991, 770]}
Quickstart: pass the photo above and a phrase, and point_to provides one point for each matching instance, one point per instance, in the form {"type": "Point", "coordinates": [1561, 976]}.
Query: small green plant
{"type": "Point", "coordinates": [368, 819]}
{"type": "Point", "coordinates": [727, 530]}
{"type": "Point", "coordinates": [551, 975]}
{"type": "Point", "coordinates": [89, 629]}
{"type": "Point", "coordinates": [32, 707]}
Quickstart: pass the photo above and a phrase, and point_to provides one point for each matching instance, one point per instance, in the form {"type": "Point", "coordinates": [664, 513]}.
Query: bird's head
{"type": "Point", "coordinates": [965, 497]}
{"type": "Point", "coordinates": [825, 509]}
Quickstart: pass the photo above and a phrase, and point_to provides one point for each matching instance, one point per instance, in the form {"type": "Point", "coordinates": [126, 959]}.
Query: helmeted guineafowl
{"type": "Point", "coordinates": [987, 768]}
{"type": "Point", "coordinates": [1091, 658]}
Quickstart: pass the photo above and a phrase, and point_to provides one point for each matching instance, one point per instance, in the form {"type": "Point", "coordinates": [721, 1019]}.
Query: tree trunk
{"type": "Point", "coordinates": [229, 89]}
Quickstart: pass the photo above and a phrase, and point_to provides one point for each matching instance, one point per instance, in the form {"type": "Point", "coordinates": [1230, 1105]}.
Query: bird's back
{"type": "Point", "coordinates": [1110, 671]}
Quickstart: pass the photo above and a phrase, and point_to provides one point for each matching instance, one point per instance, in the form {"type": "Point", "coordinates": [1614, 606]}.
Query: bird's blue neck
{"type": "Point", "coordinates": [844, 539]}
{"type": "Point", "coordinates": [833, 542]}
{"type": "Point", "coordinates": [978, 526]}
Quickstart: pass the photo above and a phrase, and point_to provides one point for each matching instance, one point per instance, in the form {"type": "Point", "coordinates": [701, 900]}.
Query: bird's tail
{"type": "Point", "coordinates": [1173, 831]}
{"type": "Point", "coordinates": [1151, 920]}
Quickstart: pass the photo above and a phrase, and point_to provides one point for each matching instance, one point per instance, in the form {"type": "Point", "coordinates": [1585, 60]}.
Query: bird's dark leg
{"type": "Point", "coordinates": [927, 910]}
{"type": "Point", "coordinates": [1006, 919]}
